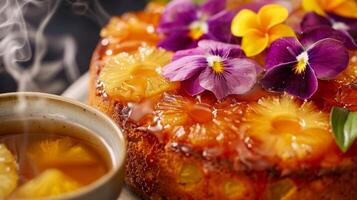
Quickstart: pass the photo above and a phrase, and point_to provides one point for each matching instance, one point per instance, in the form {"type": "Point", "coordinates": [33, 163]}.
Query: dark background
{"type": "Point", "coordinates": [83, 28]}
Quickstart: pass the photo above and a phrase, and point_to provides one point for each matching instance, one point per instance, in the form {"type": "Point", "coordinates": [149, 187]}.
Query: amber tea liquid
{"type": "Point", "coordinates": [42, 144]}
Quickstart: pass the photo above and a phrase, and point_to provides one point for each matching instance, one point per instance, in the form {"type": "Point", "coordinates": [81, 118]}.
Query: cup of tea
{"type": "Point", "coordinates": [56, 148]}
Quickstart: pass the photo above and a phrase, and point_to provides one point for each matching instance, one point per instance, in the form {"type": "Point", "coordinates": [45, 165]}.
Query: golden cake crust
{"type": "Point", "coordinates": [157, 171]}
{"type": "Point", "coordinates": [152, 169]}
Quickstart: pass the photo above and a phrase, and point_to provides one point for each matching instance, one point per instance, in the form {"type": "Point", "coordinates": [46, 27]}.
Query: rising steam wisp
{"type": "Point", "coordinates": [23, 47]}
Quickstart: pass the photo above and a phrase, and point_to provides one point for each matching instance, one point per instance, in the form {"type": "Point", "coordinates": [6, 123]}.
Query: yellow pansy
{"type": "Point", "coordinates": [259, 30]}
{"type": "Point", "coordinates": [346, 8]}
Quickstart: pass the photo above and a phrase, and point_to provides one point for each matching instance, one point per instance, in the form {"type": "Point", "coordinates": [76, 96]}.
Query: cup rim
{"type": "Point", "coordinates": [121, 159]}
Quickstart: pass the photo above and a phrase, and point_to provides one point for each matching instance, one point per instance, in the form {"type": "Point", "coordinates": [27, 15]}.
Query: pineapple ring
{"type": "Point", "coordinates": [190, 176]}
{"type": "Point", "coordinates": [128, 32]}
{"type": "Point", "coordinates": [63, 151]}
{"type": "Point", "coordinates": [281, 189]}
{"type": "Point", "coordinates": [286, 131]}
{"type": "Point", "coordinates": [131, 27]}
{"type": "Point", "coordinates": [199, 123]}
{"type": "Point", "coordinates": [133, 77]}
{"type": "Point", "coordinates": [51, 182]}
{"type": "Point", "coordinates": [135, 25]}
{"type": "Point", "coordinates": [8, 172]}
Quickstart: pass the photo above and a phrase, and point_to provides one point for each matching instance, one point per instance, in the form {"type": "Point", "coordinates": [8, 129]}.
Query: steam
{"type": "Point", "coordinates": [23, 47]}
{"type": "Point", "coordinates": [92, 9]}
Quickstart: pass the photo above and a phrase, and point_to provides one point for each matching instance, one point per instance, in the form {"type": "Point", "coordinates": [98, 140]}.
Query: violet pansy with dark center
{"type": "Point", "coordinates": [218, 67]}
{"type": "Point", "coordinates": [316, 27]}
{"type": "Point", "coordinates": [184, 23]}
{"type": "Point", "coordinates": [295, 68]}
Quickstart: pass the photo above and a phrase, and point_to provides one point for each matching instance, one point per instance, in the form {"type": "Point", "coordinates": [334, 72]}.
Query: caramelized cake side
{"type": "Point", "coordinates": [175, 151]}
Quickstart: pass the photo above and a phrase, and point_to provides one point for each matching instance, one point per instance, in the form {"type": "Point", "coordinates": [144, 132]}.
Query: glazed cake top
{"type": "Point", "coordinates": [257, 85]}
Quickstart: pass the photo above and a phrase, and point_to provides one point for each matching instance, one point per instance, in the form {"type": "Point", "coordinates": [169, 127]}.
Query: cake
{"type": "Point", "coordinates": [243, 100]}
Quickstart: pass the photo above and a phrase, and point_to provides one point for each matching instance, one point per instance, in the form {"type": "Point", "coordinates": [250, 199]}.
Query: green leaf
{"type": "Point", "coordinates": [338, 119]}
{"type": "Point", "coordinates": [350, 129]}
{"type": "Point", "coordinates": [344, 126]}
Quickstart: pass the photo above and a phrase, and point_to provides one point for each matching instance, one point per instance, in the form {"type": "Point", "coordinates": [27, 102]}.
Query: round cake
{"type": "Point", "coordinates": [243, 100]}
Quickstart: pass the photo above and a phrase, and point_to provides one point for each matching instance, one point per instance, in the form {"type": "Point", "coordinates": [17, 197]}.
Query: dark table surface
{"type": "Point", "coordinates": [79, 20]}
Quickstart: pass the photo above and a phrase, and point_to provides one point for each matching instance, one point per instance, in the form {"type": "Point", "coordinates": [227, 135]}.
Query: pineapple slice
{"type": "Point", "coordinates": [232, 186]}
{"type": "Point", "coordinates": [49, 183]}
{"type": "Point", "coordinates": [286, 131]}
{"type": "Point", "coordinates": [190, 176]}
{"type": "Point", "coordinates": [8, 172]}
{"type": "Point", "coordinates": [128, 32]}
{"type": "Point", "coordinates": [60, 152]}
{"type": "Point", "coordinates": [172, 110]}
{"type": "Point", "coordinates": [281, 190]}
{"type": "Point", "coordinates": [133, 77]}
{"type": "Point", "coordinates": [199, 123]}
{"type": "Point", "coordinates": [131, 27]}
{"type": "Point", "coordinates": [235, 189]}
{"type": "Point", "coordinates": [134, 26]}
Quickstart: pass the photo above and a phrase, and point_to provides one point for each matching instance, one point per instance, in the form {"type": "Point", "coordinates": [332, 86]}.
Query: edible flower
{"type": "Point", "coordinates": [184, 23]}
{"type": "Point", "coordinates": [259, 30]}
{"type": "Point", "coordinates": [316, 27]}
{"type": "Point", "coordinates": [214, 66]}
{"type": "Point", "coordinates": [346, 8]}
{"type": "Point", "coordinates": [294, 68]}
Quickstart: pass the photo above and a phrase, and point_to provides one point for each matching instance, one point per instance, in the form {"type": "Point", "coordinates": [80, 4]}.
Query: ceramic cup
{"type": "Point", "coordinates": [32, 106]}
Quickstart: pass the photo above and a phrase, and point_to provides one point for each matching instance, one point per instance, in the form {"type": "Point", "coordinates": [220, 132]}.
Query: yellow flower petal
{"type": "Point", "coordinates": [313, 5]}
{"type": "Point", "coordinates": [271, 15]}
{"type": "Point", "coordinates": [254, 42]}
{"type": "Point", "coordinates": [328, 5]}
{"type": "Point", "coordinates": [243, 22]}
{"type": "Point", "coordinates": [279, 31]}
{"type": "Point", "coordinates": [347, 9]}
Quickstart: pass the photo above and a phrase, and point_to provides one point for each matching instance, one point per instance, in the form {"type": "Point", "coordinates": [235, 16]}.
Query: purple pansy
{"type": "Point", "coordinates": [214, 66]}
{"type": "Point", "coordinates": [316, 27]}
{"type": "Point", "coordinates": [184, 23]}
{"type": "Point", "coordinates": [295, 69]}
